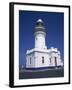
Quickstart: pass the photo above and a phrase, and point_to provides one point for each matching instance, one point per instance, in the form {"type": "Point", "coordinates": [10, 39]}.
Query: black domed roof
{"type": "Point", "coordinates": [39, 26]}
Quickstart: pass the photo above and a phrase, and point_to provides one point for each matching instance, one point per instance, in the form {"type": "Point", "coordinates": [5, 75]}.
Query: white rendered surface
{"type": "Point", "coordinates": [36, 58]}
{"type": "Point", "coordinates": [40, 40]}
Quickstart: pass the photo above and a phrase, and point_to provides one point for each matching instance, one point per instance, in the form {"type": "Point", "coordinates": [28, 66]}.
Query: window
{"type": "Point", "coordinates": [36, 38]}
{"type": "Point", "coordinates": [50, 60]}
{"type": "Point", "coordinates": [42, 59]}
{"type": "Point", "coordinates": [30, 60]}
{"type": "Point", "coordinates": [55, 61]}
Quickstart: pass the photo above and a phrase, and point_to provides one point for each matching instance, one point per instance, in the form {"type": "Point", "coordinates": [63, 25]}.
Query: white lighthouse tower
{"type": "Point", "coordinates": [40, 35]}
{"type": "Point", "coordinates": [41, 57]}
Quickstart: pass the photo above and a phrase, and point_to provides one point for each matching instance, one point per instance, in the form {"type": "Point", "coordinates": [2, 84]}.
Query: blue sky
{"type": "Point", "coordinates": [54, 24]}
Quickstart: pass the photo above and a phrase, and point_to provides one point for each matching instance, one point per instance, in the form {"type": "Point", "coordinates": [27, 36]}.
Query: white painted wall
{"type": "Point", "coordinates": [30, 64]}
{"type": "Point", "coordinates": [40, 40]}
{"type": "Point", "coordinates": [36, 59]}
{"type": "Point", "coordinates": [58, 59]}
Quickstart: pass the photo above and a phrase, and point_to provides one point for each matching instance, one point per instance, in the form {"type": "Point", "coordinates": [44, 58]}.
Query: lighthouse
{"type": "Point", "coordinates": [40, 56]}
{"type": "Point", "coordinates": [40, 35]}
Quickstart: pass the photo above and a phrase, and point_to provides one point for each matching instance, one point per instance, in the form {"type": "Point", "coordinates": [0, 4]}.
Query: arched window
{"type": "Point", "coordinates": [42, 60]}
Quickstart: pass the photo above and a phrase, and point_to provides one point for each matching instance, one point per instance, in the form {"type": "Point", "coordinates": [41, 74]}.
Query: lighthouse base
{"type": "Point", "coordinates": [45, 58]}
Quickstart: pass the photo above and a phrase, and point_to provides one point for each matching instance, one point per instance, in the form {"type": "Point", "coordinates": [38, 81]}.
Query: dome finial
{"type": "Point", "coordinates": [39, 20]}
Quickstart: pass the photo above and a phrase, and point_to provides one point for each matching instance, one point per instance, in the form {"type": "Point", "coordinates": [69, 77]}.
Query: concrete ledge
{"type": "Point", "coordinates": [41, 73]}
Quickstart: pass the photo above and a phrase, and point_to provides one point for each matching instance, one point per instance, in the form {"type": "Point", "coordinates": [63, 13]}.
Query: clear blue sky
{"type": "Point", "coordinates": [54, 24]}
